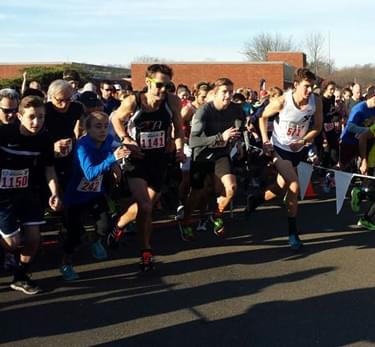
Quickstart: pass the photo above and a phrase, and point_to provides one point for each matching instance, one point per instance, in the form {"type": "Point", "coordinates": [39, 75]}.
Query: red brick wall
{"type": "Point", "coordinates": [9, 71]}
{"type": "Point", "coordinates": [242, 74]}
{"type": "Point", "coordinates": [296, 59]}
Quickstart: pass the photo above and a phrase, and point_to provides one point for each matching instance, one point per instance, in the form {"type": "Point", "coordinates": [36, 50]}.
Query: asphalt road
{"type": "Point", "coordinates": [247, 289]}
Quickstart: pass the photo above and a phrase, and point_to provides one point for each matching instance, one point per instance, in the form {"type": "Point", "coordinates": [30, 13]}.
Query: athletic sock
{"type": "Point", "coordinates": [292, 226]}
{"type": "Point", "coordinates": [21, 270]}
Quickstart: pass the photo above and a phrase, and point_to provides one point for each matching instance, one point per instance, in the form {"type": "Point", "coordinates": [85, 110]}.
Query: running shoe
{"type": "Point", "coordinates": [98, 251]}
{"type": "Point", "coordinates": [356, 199]}
{"type": "Point", "coordinates": [146, 262]}
{"type": "Point", "coordinates": [366, 223]}
{"type": "Point", "coordinates": [218, 224]}
{"type": "Point", "coordinates": [68, 273]}
{"type": "Point", "coordinates": [179, 213]}
{"type": "Point", "coordinates": [295, 242]}
{"type": "Point", "coordinates": [26, 285]}
{"type": "Point", "coordinates": [186, 232]}
{"type": "Point", "coordinates": [114, 237]}
{"type": "Point", "coordinates": [202, 225]}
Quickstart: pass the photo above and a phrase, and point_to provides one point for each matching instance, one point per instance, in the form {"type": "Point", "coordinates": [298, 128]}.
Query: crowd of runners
{"type": "Point", "coordinates": [102, 153]}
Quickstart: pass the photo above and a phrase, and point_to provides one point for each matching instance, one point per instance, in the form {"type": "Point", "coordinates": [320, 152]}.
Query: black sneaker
{"type": "Point", "coordinates": [25, 285]}
{"type": "Point", "coordinates": [146, 262]}
{"type": "Point", "coordinates": [114, 237]}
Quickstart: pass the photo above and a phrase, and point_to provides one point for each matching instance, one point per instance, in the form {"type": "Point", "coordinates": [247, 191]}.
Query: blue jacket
{"type": "Point", "coordinates": [89, 165]}
{"type": "Point", "coordinates": [361, 116]}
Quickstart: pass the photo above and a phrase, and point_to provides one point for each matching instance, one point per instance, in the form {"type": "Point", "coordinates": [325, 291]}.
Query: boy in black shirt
{"type": "Point", "coordinates": [25, 149]}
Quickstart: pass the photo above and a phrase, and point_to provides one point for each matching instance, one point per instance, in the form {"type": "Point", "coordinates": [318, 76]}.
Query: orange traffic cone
{"type": "Point", "coordinates": [310, 191]}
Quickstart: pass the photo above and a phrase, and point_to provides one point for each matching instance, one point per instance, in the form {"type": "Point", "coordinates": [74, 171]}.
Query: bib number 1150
{"type": "Point", "coordinates": [14, 179]}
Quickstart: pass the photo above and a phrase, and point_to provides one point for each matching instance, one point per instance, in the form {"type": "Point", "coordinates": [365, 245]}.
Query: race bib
{"type": "Point", "coordinates": [14, 179]}
{"type": "Point", "coordinates": [152, 140]}
{"type": "Point", "coordinates": [293, 129]}
{"type": "Point", "coordinates": [329, 126]}
{"type": "Point", "coordinates": [94, 186]}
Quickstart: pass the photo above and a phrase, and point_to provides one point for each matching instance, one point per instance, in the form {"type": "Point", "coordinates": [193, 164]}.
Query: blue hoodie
{"type": "Point", "coordinates": [89, 166]}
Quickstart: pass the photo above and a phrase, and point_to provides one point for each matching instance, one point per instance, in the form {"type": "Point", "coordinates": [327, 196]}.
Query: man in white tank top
{"type": "Point", "coordinates": [298, 121]}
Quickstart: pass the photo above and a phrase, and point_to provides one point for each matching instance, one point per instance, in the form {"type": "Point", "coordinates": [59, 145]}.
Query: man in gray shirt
{"type": "Point", "coordinates": [213, 136]}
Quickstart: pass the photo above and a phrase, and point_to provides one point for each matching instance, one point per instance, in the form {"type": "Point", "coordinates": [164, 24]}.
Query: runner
{"type": "Point", "coordinates": [291, 133]}
{"type": "Point", "coordinates": [85, 191]}
{"type": "Point", "coordinates": [25, 150]}
{"type": "Point", "coordinates": [213, 134]}
{"type": "Point", "coordinates": [62, 122]}
{"type": "Point", "coordinates": [187, 113]}
{"type": "Point", "coordinates": [9, 99]}
{"type": "Point", "coordinates": [360, 118]}
{"type": "Point", "coordinates": [143, 123]}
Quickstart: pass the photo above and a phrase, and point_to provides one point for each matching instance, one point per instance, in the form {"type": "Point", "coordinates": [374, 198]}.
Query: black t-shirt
{"type": "Point", "coordinates": [329, 110]}
{"type": "Point", "coordinates": [208, 124]}
{"type": "Point", "coordinates": [23, 158]}
{"type": "Point", "coordinates": [61, 125]}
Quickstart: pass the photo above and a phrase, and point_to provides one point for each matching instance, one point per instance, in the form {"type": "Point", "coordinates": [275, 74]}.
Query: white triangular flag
{"type": "Point", "coordinates": [304, 171]}
{"type": "Point", "coordinates": [342, 180]}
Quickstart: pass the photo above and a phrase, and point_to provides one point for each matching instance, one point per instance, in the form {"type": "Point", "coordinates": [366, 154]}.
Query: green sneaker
{"type": "Point", "coordinates": [356, 199]}
{"type": "Point", "coordinates": [186, 232]}
{"type": "Point", "coordinates": [366, 223]}
{"type": "Point", "coordinates": [218, 225]}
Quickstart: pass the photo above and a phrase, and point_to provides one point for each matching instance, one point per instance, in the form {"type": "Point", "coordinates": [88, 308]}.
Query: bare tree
{"type": "Point", "coordinates": [257, 47]}
{"type": "Point", "coordinates": [314, 45]}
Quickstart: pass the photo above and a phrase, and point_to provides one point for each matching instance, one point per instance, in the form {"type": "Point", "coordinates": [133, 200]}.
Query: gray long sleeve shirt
{"type": "Point", "coordinates": [207, 127]}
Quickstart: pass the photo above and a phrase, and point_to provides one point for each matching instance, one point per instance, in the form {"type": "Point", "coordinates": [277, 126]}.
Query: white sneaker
{"type": "Point", "coordinates": [179, 213]}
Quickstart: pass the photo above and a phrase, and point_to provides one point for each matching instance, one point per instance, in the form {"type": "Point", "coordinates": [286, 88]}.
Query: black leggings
{"type": "Point", "coordinates": [97, 209]}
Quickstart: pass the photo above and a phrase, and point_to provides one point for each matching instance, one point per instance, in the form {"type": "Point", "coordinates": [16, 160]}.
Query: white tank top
{"type": "Point", "coordinates": [292, 123]}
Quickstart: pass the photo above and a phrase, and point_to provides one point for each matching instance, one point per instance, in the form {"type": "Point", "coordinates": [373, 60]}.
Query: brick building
{"type": "Point", "coordinates": [277, 71]}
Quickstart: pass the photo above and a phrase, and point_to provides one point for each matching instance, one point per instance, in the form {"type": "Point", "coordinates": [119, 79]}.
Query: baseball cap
{"type": "Point", "coordinates": [90, 99]}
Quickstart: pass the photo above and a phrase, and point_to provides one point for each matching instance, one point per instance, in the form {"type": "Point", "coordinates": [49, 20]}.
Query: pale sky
{"type": "Point", "coordinates": [117, 31]}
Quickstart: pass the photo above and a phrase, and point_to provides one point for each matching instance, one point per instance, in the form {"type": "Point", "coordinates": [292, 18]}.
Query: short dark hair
{"type": "Point", "coordinates": [370, 92]}
{"type": "Point", "coordinates": [223, 82]}
{"type": "Point", "coordinates": [30, 101]}
{"type": "Point", "coordinates": [302, 74]}
{"type": "Point", "coordinates": [327, 83]}
{"type": "Point", "coordinates": [238, 97]}
{"type": "Point", "coordinates": [182, 87]}
{"type": "Point", "coordinates": [71, 75]}
{"type": "Point", "coordinates": [32, 91]}
{"type": "Point", "coordinates": [162, 68]}
{"type": "Point", "coordinates": [103, 82]}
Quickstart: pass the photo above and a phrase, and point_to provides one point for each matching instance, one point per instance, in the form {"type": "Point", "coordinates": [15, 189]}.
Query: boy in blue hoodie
{"type": "Point", "coordinates": [93, 158]}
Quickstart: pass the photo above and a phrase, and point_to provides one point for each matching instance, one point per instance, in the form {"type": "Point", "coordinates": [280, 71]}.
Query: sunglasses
{"type": "Point", "coordinates": [60, 101]}
{"type": "Point", "coordinates": [9, 110]}
{"type": "Point", "coordinates": [158, 84]}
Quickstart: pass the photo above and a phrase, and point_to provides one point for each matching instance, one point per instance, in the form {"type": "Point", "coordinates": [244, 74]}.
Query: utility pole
{"type": "Point", "coordinates": [329, 52]}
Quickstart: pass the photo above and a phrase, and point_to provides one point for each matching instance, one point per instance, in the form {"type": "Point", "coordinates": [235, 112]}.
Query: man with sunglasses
{"type": "Point", "coordinates": [143, 123]}
{"type": "Point", "coordinates": [8, 105]}
{"type": "Point", "coordinates": [107, 91]}
{"type": "Point", "coordinates": [63, 124]}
